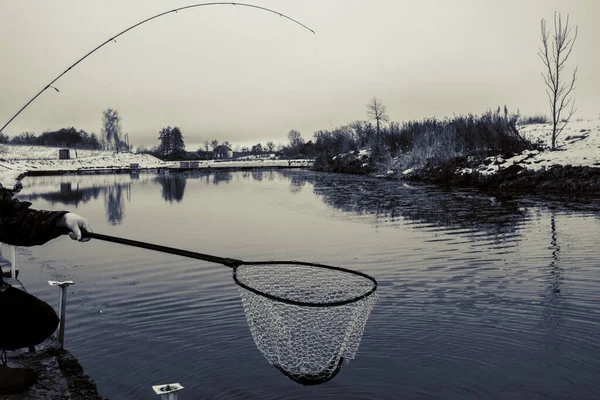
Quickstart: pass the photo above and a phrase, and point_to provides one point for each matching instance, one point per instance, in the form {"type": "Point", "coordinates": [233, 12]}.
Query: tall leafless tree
{"type": "Point", "coordinates": [376, 111]}
{"type": "Point", "coordinates": [111, 130]}
{"type": "Point", "coordinates": [295, 138]}
{"type": "Point", "coordinates": [554, 53]}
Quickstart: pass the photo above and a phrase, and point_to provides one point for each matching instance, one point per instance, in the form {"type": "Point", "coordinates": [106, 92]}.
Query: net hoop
{"type": "Point", "coordinates": [306, 303]}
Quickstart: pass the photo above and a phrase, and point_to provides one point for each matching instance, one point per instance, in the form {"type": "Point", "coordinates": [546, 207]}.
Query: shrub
{"type": "Point", "coordinates": [432, 142]}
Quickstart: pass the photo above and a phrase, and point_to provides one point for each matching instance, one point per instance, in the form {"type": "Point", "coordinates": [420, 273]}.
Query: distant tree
{"type": "Point", "coordinates": [270, 146]}
{"type": "Point", "coordinates": [164, 137]}
{"type": "Point", "coordinates": [214, 144]}
{"type": "Point", "coordinates": [206, 145]}
{"type": "Point", "coordinates": [295, 138]}
{"type": "Point", "coordinates": [172, 145]}
{"type": "Point", "coordinates": [226, 143]}
{"type": "Point", "coordinates": [3, 138]}
{"type": "Point", "coordinates": [554, 55]}
{"type": "Point", "coordinates": [376, 111]}
{"type": "Point", "coordinates": [25, 138]}
{"type": "Point", "coordinates": [257, 149]}
{"type": "Point", "coordinates": [111, 130]}
{"type": "Point", "coordinates": [94, 142]}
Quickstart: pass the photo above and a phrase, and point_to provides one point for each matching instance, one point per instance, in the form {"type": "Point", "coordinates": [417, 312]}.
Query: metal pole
{"type": "Point", "coordinates": [62, 315]}
{"type": "Point", "coordinates": [62, 308]}
{"type": "Point", "coordinates": [13, 262]}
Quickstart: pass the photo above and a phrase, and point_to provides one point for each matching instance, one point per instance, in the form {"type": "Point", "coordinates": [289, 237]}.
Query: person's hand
{"type": "Point", "coordinates": [75, 224]}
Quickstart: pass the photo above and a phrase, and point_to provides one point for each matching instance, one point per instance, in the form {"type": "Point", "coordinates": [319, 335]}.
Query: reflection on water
{"type": "Point", "coordinates": [173, 186]}
{"type": "Point", "coordinates": [553, 299]}
{"type": "Point", "coordinates": [480, 297]}
{"type": "Point", "coordinates": [386, 200]}
{"type": "Point", "coordinates": [66, 193]}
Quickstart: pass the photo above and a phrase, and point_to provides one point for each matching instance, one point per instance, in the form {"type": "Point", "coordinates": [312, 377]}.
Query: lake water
{"type": "Point", "coordinates": [480, 298]}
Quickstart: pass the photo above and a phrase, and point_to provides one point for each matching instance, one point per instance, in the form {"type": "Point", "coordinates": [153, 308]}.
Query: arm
{"type": "Point", "coordinates": [21, 225]}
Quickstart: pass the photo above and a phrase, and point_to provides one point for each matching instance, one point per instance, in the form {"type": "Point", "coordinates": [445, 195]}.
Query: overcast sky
{"type": "Point", "coordinates": [248, 76]}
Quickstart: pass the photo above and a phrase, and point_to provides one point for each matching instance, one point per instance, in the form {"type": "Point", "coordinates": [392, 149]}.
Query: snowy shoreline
{"type": "Point", "coordinates": [573, 166]}
{"type": "Point", "coordinates": [571, 171]}
{"type": "Point", "coordinates": [19, 161]}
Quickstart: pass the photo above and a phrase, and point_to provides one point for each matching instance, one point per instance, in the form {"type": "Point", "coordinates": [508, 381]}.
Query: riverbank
{"type": "Point", "coordinates": [18, 161]}
{"type": "Point", "coordinates": [571, 171]}
{"type": "Point", "coordinates": [60, 375]}
{"type": "Point", "coordinates": [56, 373]}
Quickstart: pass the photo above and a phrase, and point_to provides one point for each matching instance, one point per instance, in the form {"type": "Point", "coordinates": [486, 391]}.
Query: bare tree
{"type": "Point", "coordinates": [295, 138]}
{"type": "Point", "coordinates": [554, 54]}
{"type": "Point", "coordinates": [270, 146]}
{"type": "Point", "coordinates": [214, 144]}
{"type": "Point", "coordinates": [111, 130]}
{"type": "Point", "coordinates": [376, 112]}
{"type": "Point", "coordinates": [206, 145]}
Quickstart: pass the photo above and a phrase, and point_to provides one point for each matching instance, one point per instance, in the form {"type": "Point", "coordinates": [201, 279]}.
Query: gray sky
{"type": "Point", "coordinates": [247, 76]}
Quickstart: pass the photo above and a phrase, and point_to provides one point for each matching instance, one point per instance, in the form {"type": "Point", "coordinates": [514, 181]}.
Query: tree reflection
{"type": "Point", "coordinates": [66, 195]}
{"type": "Point", "coordinates": [257, 175]}
{"type": "Point", "coordinates": [114, 201]}
{"type": "Point", "coordinates": [419, 203]}
{"type": "Point", "coordinates": [297, 182]}
{"type": "Point", "coordinates": [553, 299]}
{"type": "Point", "coordinates": [173, 186]}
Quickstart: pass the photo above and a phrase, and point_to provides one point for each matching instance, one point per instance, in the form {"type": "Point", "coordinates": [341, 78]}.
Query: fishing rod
{"type": "Point", "coordinates": [113, 39]}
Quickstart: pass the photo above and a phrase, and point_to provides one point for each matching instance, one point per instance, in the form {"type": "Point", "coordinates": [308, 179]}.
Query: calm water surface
{"type": "Point", "coordinates": [479, 298]}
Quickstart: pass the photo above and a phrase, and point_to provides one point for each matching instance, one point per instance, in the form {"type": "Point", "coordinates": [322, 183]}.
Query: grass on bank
{"type": "Point", "coordinates": [534, 119]}
{"type": "Point", "coordinates": [420, 145]}
{"type": "Point", "coordinates": [433, 143]}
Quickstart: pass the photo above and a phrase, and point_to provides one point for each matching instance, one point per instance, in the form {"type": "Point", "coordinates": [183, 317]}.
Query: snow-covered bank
{"type": "Point", "coordinates": [572, 171]}
{"type": "Point", "coordinates": [17, 160]}
{"type": "Point", "coordinates": [577, 145]}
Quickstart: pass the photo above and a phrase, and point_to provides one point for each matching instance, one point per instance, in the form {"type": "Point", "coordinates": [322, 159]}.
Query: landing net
{"type": "Point", "coordinates": [306, 319]}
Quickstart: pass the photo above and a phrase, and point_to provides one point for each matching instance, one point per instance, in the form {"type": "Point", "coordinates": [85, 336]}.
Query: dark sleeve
{"type": "Point", "coordinates": [21, 225]}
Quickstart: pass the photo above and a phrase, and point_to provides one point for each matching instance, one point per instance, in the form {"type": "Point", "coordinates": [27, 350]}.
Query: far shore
{"type": "Point", "coordinates": [571, 172]}
{"type": "Point", "coordinates": [21, 161]}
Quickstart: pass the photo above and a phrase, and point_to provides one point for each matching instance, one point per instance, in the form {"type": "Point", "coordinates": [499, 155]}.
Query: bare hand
{"type": "Point", "coordinates": [75, 224]}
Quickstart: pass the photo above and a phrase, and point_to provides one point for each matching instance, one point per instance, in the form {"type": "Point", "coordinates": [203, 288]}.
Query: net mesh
{"type": "Point", "coordinates": [309, 343]}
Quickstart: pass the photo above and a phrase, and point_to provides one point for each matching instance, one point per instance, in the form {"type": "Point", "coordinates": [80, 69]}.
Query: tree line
{"type": "Point", "coordinates": [111, 136]}
{"type": "Point", "coordinates": [64, 137]}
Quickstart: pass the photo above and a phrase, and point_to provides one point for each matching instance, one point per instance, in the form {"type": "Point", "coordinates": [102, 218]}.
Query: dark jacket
{"type": "Point", "coordinates": [22, 226]}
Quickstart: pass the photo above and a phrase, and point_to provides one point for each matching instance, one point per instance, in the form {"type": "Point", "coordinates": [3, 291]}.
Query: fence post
{"type": "Point", "coordinates": [168, 391]}
{"type": "Point", "coordinates": [62, 308]}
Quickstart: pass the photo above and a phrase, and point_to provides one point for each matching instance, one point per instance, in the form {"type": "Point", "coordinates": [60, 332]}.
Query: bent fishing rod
{"type": "Point", "coordinates": [113, 39]}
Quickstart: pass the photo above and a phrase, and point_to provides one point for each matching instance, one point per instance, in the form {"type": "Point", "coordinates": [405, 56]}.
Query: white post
{"type": "Point", "coordinates": [62, 308]}
{"type": "Point", "coordinates": [168, 391]}
{"type": "Point", "coordinates": [13, 262]}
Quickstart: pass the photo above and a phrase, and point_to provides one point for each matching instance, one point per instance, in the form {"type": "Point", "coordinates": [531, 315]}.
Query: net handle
{"type": "Point", "coordinates": [234, 264]}
{"type": "Point", "coordinates": [229, 262]}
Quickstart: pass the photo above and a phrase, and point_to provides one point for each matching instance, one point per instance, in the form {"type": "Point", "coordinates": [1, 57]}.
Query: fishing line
{"type": "Point", "coordinates": [113, 39]}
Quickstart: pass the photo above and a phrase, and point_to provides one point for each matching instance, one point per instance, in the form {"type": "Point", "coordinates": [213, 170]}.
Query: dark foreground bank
{"type": "Point", "coordinates": [60, 375]}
